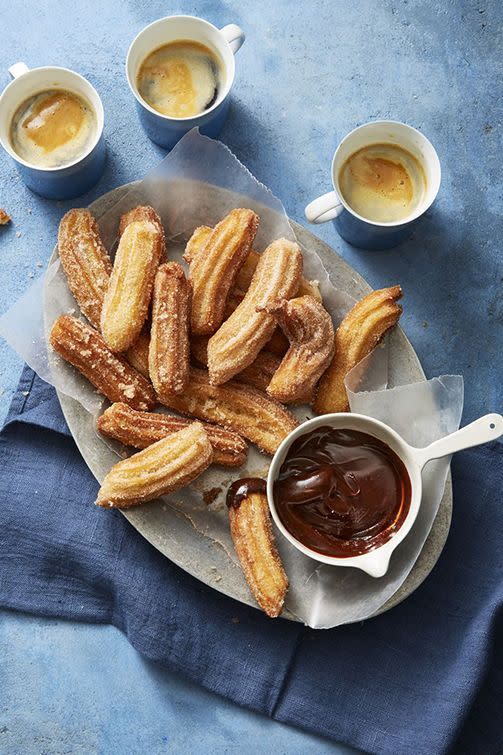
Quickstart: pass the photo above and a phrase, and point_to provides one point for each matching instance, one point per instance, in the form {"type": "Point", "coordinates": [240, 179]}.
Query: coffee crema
{"type": "Point", "coordinates": [383, 182]}
{"type": "Point", "coordinates": [53, 128]}
{"type": "Point", "coordinates": [342, 492]}
{"type": "Point", "coordinates": [180, 79]}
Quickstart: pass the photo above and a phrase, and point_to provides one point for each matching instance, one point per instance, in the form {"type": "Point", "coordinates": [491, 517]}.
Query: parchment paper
{"type": "Point", "coordinates": [196, 184]}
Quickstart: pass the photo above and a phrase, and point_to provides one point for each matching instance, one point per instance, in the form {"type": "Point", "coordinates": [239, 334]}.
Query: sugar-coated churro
{"type": "Point", "coordinates": [237, 407]}
{"type": "Point", "coordinates": [110, 374]}
{"type": "Point", "coordinates": [213, 273]}
{"type": "Point", "coordinates": [253, 539]}
{"type": "Point", "coordinates": [85, 261]}
{"type": "Point", "coordinates": [141, 429]}
{"type": "Point", "coordinates": [127, 299]}
{"type": "Point", "coordinates": [258, 374]}
{"type": "Point", "coordinates": [237, 342]}
{"type": "Point", "coordinates": [310, 331]}
{"type": "Point", "coordinates": [142, 213]}
{"type": "Point", "coordinates": [169, 350]}
{"type": "Point", "coordinates": [359, 332]}
{"type": "Point", "coordinates": [165, 466]}
{"type": "Point", "coordinates": [195, 246]}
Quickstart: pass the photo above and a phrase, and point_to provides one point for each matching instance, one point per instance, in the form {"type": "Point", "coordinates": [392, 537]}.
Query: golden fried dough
{"type": "Point", "coordinates": [213, 273]}
{"type": "Point", "coordinates": [308, 326]}
{"type": "Point", "coordinates": [253, 539]}
{"type": "Point", "coordinates": [168, 465]}
{"type": "Point", "coordinates": [141, 429]}
{"type": "Point", "coordinates": [85, 261]}
{"type": "Point", "coordinates": [359, 332]}
{"type": "Point", "coordinates": [129, 291]}
{"type": "Point", "coordinates": [237, 407]}
{"type": "Point", "coordinates": [110, 374]}
{"type": "Point", "coordinates": [169, 350]}
{"type": "Point", "coordinates": [237, 342]}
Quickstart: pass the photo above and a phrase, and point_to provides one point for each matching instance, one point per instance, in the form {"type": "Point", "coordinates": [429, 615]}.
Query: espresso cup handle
{"type": "Point", "coordinates": [234, 36]}
{"type": "Point", "coordinates": [18, 69]}
{"type": "Point", "coordinates": [326, 207]}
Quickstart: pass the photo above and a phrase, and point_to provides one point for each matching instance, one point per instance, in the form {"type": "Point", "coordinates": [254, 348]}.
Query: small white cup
{"type": "Point", "coordinates": [376, 562]}
{"type": "Point", "coordinates": [354, 228]}
{"type": "Point", "coordinates": [74, 178]}
{"type": "Point", "coordinates": [163, 129]}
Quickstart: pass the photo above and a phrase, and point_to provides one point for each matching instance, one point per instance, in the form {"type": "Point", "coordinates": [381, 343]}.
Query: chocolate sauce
{"type": "Point", "coordinates": [241, 489]}
{"type": "Point", "coordinates": [342, 492]}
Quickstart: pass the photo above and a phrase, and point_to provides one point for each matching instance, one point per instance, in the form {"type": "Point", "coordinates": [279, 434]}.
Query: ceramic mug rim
{"type": "Point", "coordinates": [390, 223]}
{"type": "Point", "coordinates": [382, 553]}
{"type": "Point", "coordinates": [230, 67]}
{"type": "Point", "coordinates": [97, 107]}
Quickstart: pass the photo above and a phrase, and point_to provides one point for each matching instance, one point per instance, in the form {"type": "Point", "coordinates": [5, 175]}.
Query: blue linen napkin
{"type": "Point", "coordinates": [426, 677]}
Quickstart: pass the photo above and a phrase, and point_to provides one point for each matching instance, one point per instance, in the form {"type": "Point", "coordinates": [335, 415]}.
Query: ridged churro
{"type": "Point", "coordinates": [141, 213]}
{"type": "Point", "coordinates": [237, 407]}
{"type": "Point", "coordinates": [195, 246]}
{"type": "Point", "coordinates": [127, 299]}
{"type": "Point", "coordinates": [110, 374]}
{"type": "Point", "coordinates": [359, 332]}
{"type": "Point", "coordinates": [141, 429]}
{"type": "Point", "coordinates": [213, 273]}
{"type": "Point", "coordinates": [165, 466]}
{"type": "Point", "coordinates": [310, 331]}
{"type": "Point", "coordinates": [237, 342]}
{"type": "Point", "coordinates": [169, 351]}
{"type": "Point", "coordinates": [259, 373]}
{"type": "Point", "coordinates": [85, 261]}
{"type": "Point", "coordinates": [253, 539]}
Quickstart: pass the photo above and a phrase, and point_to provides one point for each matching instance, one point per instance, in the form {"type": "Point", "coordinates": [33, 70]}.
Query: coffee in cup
{"type": "Point", "coordinates": [383, 183]}
{"type": "Point", "coordinates": [53, 128]}
{"type": "Point", "coordinates": [180, 79]}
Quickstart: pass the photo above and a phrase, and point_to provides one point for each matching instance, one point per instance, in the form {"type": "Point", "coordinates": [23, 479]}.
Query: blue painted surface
{"type": "Point", "coordinates": [307, 74]}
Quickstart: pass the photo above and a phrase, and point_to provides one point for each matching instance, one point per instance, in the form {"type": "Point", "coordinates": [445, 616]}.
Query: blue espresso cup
{"type": "Point", "coordinates": [356, 229]}
{"type": "Point", "coordinates": [70, 179]}
{"type": "Point", "coordinates": [166, 130]}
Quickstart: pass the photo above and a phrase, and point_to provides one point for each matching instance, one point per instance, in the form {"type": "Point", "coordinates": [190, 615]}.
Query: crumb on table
{"type": "Point", "coordinates": [4, 217]}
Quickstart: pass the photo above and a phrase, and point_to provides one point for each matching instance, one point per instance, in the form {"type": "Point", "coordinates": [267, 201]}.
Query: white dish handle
{"type": "Point", "coordinates": [234, 36]}
{"type": "Point", "coordinates": [481, 431]}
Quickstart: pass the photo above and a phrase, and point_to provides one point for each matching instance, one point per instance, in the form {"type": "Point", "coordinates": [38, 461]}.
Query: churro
{"type": "Point", "coordinates": [127, 299]}
{"type": "Point", "coordinates": [359, 332]}
{"type": "Point", "coordinates": [258, 374]}
{"type": "Point", "coordinates": [110, 374]}
{"type": "Point", "coordinates": [310, 331]}
{"type": "Point", "coordinates": [195, 246]}
{"type": "Point", "coordinates": [85, 261]}
{"type": "Point", "coordinates": [141, 429]}
{"type": "Point", "coordinates": [237, 407]}
{"type": "Point", "coordinates": [237, 342]}
{"type": "Point", "coordinates": [213, 272]}
{"type": "Point", "coordinates": [165, 466]}
{"type": "Point", "coordinates": [169, 351]}
{"type": "Point", "coordinates": [254, 543]}
{"type": "Point", "coordinates": [138, 214]}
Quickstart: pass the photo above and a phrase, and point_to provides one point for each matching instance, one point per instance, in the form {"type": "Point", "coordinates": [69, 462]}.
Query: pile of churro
{"type": "Point", "coordinates": [227, 343]}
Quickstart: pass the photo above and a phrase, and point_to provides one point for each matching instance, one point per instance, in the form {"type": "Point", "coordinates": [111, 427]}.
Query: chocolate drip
{"type": "Point", "coordinates": [241, 489]}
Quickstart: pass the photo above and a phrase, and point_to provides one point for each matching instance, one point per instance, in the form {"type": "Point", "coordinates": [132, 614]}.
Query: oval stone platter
{"type": "Point", "coordinates": [180, 536]}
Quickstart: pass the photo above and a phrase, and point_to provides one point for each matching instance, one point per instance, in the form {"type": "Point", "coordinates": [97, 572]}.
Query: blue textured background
{"type": "Point", "coordinates": [308, 73]}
